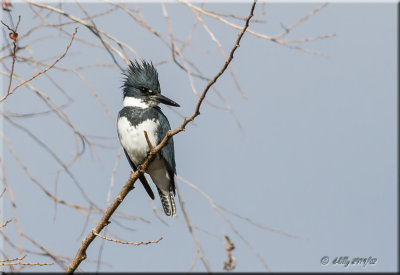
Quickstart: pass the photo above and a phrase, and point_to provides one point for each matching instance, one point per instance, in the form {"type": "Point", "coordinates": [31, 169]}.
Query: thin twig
{"type": "Point", "coordinates": [301, 20]}
{"type": "Point", "coordinates": [148, 140]}
{"type": "Point", "coordinates": [22, 264]}
{"type": "Point", "coordinates": [2, 192]}
{"type": "Point", "coordinates": [123, 242]}
{"type": "Point", "coordinates": [5, 224]}
{"type": "Point", "coordinates": [14, 259]}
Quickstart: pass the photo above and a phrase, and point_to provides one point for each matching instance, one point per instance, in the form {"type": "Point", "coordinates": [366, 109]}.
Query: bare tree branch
{"type": "Point", "coordinates": [14, 37]}
{"type": "Point", "coordinates": [81, 254]}
{"type": "Point", "coordinates": [48, 68]}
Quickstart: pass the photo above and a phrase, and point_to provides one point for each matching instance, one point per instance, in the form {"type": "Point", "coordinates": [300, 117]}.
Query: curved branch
{"type": "Point", "coordinates": [129, 185]}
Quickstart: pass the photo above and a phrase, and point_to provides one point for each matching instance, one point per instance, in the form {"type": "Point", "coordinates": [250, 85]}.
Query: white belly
{"type": "Point", "coordinates": [133, 140]}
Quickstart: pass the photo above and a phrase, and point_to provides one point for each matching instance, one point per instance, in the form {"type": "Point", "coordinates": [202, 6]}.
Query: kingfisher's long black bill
{"type": "Point", "coordinates": [163, 99]}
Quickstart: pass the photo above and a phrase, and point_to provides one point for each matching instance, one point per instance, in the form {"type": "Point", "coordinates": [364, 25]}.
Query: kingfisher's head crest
{"type": "Point", "coordinates": [141, 77]}
{"type": "Point", "coordinates": [141, 83]}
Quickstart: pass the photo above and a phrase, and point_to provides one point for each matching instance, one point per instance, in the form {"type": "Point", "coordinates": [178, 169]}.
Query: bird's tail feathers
{"type": "Point", "coordinates": [168, 203]}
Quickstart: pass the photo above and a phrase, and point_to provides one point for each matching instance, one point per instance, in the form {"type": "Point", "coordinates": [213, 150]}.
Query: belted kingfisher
{"type": "Point", "coordinates": [140, 112]}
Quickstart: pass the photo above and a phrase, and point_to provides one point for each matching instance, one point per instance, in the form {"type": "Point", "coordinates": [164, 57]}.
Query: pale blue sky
{"type": "Point", "coordinates": [317, 156]}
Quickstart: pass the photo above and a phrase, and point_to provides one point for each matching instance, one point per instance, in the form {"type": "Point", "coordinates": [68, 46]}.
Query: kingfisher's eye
{"type": "Point", "coordinates": [143, 89]}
